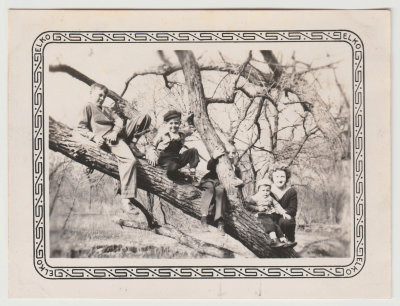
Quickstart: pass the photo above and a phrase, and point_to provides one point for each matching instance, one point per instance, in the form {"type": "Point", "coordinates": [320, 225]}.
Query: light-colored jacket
{"type": "Point", "coordinates": [268, 204]}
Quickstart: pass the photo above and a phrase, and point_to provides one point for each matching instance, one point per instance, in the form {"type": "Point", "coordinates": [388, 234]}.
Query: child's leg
{"type": "Point", "coordinates": [169, 162]}
{"type": "Point", "coordinates": [126, 168]}
{"type": "Point", "coordinates": [136, 126]}
{"type": "Point", "coordinates": [275, 217]}
{"type": "Point", "coordinates": [288, 227]}
{"type": "Point", "coordinates": [172, 170]}
{"type": "Point", "coordinates": [267, 223]}
{"type": "Point", "coordinates": [190, 156]}
{"type": "Point", "coordinates": [270, 228]}
{"type": "Point", "coordinates": [220, 202]}
{"type": "Point", "coordinates": [206, 197]}
{"type": "Point", "coordinates": [279, 232]}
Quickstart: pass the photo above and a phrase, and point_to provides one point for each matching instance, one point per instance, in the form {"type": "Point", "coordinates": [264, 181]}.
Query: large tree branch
{"type": "Point", "coordinates": [128, 110]}
{"type": "Point", "coordinates": [272, 61]}
{"type": "Point", "coordinates": [257, 124]}
{"type": "Point", "coordinates": [254, 76]}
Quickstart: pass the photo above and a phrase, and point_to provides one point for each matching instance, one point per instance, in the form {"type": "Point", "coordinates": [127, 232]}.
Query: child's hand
{"type": "Point", "coordinates": [287, 217]}
{"type": "Point", "coordinates": [152, 156]}
{"type": "Point", "coordinates": [98, 140]}
{"type": "Point", "coordinates": [218, 152]}
{"type": "Point", "coordinates": [111, 137]}
{"type": "Point", "coordinates": [185, 118]}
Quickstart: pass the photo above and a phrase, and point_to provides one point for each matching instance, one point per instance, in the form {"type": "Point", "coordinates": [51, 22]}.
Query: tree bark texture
{"type": "Point", "coordinates": [240, 224]}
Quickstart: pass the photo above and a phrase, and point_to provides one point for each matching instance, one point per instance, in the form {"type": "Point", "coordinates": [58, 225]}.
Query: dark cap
{"type": "Point", "coordinates": [172, 114]}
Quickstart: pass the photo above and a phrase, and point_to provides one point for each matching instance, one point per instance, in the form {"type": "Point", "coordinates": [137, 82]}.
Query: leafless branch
{"type": "Point", "coordinates": [244, 116]}
{"type": "Point", "coordinates": [257, 124]}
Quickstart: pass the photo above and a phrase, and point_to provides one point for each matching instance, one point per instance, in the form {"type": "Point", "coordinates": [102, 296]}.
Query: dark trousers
{"type": "Point", "coordinates": [270, 224]}
{"type": "Point", "coordinates": [136, 126]}
{"type": "Point", "coordinates": [288, 227]}
{"type": "Point", "coordinates": [173, 162]}
{"type": "Point", "coordinates": [213, 200]}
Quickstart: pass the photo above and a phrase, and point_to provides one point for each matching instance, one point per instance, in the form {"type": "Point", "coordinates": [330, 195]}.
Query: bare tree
{"type": "Point", "coordinates": [261, 93]}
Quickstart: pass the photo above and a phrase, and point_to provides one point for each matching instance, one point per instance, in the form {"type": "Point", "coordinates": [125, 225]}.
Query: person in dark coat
{"type": "Point", "coordinates": [287, 198]}
{"type": "Point", "coordinates": [214, 198]}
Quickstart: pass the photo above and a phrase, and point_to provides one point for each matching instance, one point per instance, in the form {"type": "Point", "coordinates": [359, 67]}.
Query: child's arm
{"type": "Point", "coordinates": [157, 139]}
{"type": "Point", "coordinates": [253, 206]}
{"type": "Point", "coordinates": [117, 128]}
{"type": "Point", "coordinates": [291, 208]}
{"type": "Point", "coordinates": [187, 127]}
{"type": "Point", "coordinates": [213, 162]}
{"type": "Point", "coordinates": [118, 122]}
{"type": "Point", "coordinates": [84, 127]}
{"type": "Point", "coordinates": [278, 207]}
{"type": "Point", "coordinates": [152, 153]}
{"type": "Point", "coordinates": [281, 210]}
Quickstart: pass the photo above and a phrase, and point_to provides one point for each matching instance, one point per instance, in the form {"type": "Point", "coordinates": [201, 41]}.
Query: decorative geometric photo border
{"type": "Point", "coordinates": [198, 272]}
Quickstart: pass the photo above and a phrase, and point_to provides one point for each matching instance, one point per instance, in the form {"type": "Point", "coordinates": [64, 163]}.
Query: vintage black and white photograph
{"type": "Point", "coordinates": [208, 151]}
{"type": "Point", "coordinates": [199, 154]}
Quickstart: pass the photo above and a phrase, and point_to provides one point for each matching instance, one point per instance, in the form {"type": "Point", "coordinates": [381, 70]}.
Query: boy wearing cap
{"type": "Point", "coordinates": [268, 211]}
{"type": "Point", "coordinates": [167, 147]}
{"type": "Point", "coordinates": [103, 126]}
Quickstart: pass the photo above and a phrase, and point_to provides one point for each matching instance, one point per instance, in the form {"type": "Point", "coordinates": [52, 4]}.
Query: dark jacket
{"type": "Point", "coordinates": [289, 201]}
{"type": "Point", "coordinates": [212, 171]}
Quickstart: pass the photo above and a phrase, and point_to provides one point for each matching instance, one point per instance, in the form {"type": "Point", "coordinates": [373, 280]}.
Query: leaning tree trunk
{"type": "Point", "coordinates": [240, 224]}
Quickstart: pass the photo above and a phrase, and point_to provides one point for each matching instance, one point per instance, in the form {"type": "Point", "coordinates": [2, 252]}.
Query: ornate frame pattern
{"type": "Point", "coordinates": [202, 272]}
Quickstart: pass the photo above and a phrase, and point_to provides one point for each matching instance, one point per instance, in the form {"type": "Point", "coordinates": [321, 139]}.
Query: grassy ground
{"type": "Point", "coordinates": [96, 235]}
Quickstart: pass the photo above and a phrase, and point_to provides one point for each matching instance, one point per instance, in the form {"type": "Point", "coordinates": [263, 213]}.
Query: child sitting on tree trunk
{"type": "Point", "coordinates": [268, 212]}
{"type": "Point", "coordinates": [214, 199]}
{"type": "Point", "coordinates": [167, 146]}
{"type": "Point", "coordinates": [106, 128]}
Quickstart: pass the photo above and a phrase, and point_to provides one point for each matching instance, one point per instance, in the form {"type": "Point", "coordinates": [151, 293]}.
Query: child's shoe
{"type": "Point", "coordinates": [290, 244]}
{"type": "Point", "coordinates": [275, 243]}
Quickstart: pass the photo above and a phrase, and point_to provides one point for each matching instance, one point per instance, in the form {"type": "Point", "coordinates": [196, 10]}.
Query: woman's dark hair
{"type": "Point", "coordinates": [280, 168]}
